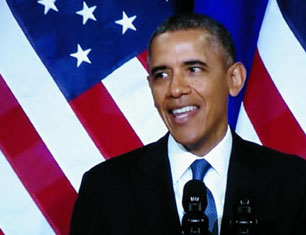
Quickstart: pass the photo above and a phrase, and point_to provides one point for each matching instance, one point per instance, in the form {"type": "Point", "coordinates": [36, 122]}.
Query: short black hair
{"type": "Point", "coordinates": [198, 21]}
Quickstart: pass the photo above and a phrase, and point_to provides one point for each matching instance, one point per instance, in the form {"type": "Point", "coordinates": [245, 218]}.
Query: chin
{"type": "Point", "coordinates": [189, 142]}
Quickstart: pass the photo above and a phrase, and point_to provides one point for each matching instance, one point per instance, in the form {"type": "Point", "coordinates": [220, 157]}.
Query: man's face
{"type": "Point", "coordinates": [189, 83]}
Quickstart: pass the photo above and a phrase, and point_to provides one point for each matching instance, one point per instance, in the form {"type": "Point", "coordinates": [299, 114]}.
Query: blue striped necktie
{"type": "Point", "coordinates": [199, 169]}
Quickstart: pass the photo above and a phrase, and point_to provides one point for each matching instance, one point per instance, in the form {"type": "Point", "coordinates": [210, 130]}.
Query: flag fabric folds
{"type": "Point", "coordinates": [73, 92]}
{"type": "Point", "coordinates": [270, 40]}
{"type": "Point", "coordinates": [277, 78]}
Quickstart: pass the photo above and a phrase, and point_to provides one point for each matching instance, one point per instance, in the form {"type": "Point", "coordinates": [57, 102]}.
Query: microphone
{"type": "Point", "coordinates": [194, 220]}
{"type": "Point", "coordinates": [244, 222]}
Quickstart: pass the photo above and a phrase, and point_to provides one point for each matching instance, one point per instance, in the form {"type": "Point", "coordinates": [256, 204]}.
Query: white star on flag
{"type": "Point", "coordinates": [87, 13]}
{"type": "Point", "coordinates": [81, 55]}
{"type": "Point", "coordinates": [126, 22]}
{"type": "Point", "coordinates": [49, 4]}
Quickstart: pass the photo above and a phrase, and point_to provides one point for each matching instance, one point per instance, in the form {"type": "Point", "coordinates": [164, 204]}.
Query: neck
{"type": "Point", "coordinates": [208, 143]}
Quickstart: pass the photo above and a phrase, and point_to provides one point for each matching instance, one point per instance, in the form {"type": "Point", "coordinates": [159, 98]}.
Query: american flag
{"type": "Point", "coordinates": [73, 92]}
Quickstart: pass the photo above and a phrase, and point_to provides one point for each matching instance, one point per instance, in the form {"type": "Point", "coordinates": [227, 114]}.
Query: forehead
{"type": "Point", "coordinates": [184, 43]}
{"type": "Point", "coordinates": [180, 36]}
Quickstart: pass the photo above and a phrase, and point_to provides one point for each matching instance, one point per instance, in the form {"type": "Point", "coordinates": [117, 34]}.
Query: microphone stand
{"type": "Point", "coordinates": [194, 220]}
{"type": "Point", "coordinates": [244, 222]}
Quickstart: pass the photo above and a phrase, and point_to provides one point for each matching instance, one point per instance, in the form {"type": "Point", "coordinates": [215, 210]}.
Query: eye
{"type": "Point", "coordinates": [160, 75]}
{"type": "Point", "coordinates": [195, 69]}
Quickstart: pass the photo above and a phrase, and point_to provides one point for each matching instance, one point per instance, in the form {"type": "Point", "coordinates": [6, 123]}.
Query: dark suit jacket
{"type": "Point", "coordinates": [133, 194]}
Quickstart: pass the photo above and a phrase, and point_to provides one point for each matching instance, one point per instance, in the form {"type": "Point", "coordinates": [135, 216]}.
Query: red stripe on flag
{"type": "Point", "coordinates": [143, 59]}
{"type": "Point", "coordinates": [104, 122]}
{"type": "Point", "coordinates": [272, 119]}
{"type": "Point", "coordinates": [34, 164]}
{"type": "Point", "coordinates": [1, 233]}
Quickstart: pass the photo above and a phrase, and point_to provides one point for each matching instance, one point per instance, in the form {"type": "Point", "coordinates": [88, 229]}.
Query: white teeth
{"type": "Point", "coordinates": [183, 110]}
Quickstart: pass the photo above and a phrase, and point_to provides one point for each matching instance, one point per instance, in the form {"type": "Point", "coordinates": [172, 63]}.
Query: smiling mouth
{"type": "Point", "coordinates": [183, 111]}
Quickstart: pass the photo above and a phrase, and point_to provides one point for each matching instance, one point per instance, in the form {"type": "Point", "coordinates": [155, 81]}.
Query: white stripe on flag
{"type": "Point", "coordinates": [285, 61]}
{"type": "Point", "coordinates": [245, 128]}
{"type": "Point", "coordinates": [18, 214]}
{"type": "Point", "coordinates": [129, 88]}
{"type": "Point", "coordinates": [43, 103]}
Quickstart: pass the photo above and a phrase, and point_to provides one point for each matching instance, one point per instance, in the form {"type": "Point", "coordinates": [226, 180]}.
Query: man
{"type": "Point", "coordinates": [191, 74]}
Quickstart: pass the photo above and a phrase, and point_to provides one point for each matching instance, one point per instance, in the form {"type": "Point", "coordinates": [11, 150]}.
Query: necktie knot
{"type": "Point", "coordinates": [199, 169]}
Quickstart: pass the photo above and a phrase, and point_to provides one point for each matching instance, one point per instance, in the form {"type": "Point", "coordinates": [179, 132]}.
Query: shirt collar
{"type": "Point", "coordinates": [181, 159]}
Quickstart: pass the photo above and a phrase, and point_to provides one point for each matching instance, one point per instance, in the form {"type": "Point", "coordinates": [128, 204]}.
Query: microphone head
{"type": "Point", "coordinates": [194, 196]}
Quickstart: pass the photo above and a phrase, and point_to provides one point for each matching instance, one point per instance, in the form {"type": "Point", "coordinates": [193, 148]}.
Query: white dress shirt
{"type": "Point", "coordinates": [216, 177]}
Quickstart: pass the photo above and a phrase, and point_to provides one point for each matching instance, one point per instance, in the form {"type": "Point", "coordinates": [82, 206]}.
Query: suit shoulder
{"type": "Point", "coordinates": [127, 161]}
{"type": "Point", "coordinates": [268, 155]}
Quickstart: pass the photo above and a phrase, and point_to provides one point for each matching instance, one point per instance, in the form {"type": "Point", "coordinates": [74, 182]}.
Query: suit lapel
{"type": "Point", "coordinates": [155, 191]}
{"type": "Point", "coordinates": [241, 180]}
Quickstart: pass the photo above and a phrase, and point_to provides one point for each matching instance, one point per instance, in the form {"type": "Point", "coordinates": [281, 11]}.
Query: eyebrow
{"type": "Point", "coordinates": [195, 62]}
{"type": "Point", "coordinates": [157, 68]}
{"type": "Point", "coordinates": [188, 63]}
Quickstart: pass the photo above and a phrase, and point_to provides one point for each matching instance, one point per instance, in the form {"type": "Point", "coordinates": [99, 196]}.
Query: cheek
{"type": "Point", "coordinates": [157, 97]}
{"type": "Point", "coordinates": [202, 88]}
{"type": "Point", "coordinates": [213, 95]}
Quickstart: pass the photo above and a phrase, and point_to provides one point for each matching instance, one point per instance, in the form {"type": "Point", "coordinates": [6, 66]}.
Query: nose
{"type": "Point", "coordinates": [179, 85]}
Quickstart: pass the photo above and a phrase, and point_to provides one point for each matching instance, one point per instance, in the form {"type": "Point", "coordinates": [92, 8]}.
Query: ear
{"type": "Point", "coordinates": [236, 78]}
